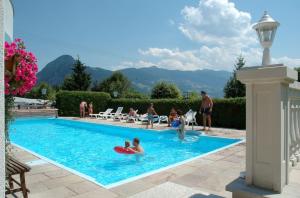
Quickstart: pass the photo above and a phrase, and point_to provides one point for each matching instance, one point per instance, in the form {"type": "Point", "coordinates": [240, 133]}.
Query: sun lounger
{"type": "Point", "coordinates": [96, 115]}
{"type": "Point", "coordinates": [106, 114]}
{"type": "Point", "coordinates": [163, 119]}
{"type": "Point", "coordinates": [144, 118]}
{"type": "Point", "coordinates": [131, 118]}
{"type": "Point", "coordinates": [117, 116]}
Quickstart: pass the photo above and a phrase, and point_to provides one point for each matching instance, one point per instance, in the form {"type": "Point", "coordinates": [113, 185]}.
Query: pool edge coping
{"type": "Point", "coordinates": [134, 178]}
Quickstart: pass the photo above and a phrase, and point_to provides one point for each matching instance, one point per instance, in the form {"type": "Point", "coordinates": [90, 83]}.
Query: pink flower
{"type": "Point", "coordinates": [26, 69]}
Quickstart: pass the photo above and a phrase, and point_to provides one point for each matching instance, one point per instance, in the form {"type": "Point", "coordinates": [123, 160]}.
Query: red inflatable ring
{"type": "Point", "coordinates": [121, 149]}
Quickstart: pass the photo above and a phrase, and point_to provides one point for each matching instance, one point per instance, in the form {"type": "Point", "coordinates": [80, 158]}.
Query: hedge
{"type": "Point", "coordinates": [227, 113]}
{"type": "Point", "coordinates": [68, 102]}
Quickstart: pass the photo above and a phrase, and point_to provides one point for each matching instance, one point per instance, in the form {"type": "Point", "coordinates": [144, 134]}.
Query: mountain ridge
{"type": "Point", "coordinates": [142, 79]}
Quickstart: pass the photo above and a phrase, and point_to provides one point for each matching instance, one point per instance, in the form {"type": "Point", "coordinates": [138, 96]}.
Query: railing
{"type": "Point", "coordinates": [294, 123]}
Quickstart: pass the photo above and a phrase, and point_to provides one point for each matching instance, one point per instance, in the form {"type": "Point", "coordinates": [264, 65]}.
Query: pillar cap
{"type": "Point", "coordinates": [267, 74]}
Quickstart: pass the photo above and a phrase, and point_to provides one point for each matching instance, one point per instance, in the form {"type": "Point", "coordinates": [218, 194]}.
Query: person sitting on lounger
{"type": "Point", "coordinates": [181, 131]}
{"type": "Point", "coordinates": [172, 116]}
{"type": "Point", "coordinates": [131, 115]}
{"type": "Point", "coordinates": [151, 112]}
{"type": "Point", "coordinates": [137, 147]}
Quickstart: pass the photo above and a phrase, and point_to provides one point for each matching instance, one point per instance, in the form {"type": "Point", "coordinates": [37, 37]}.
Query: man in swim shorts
{"type": "Point", "coordinates": [206, 109]}
{"type": "Point", "coordinates": [150, 113]}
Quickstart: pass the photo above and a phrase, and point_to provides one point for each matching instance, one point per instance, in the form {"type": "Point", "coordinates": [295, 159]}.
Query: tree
{"type": "Point", "coordinates": [37, 92]}
{"type": "Point", "coordinates": [116, 83]}
{"type": "Point", "coordinates": [194, 95]}
{"type": "Point", "coordinates": [79, 80]}
{"type": "Point", "coordinates": [234, 88]}
{"type": "Point", "coordinates": [165, 90]}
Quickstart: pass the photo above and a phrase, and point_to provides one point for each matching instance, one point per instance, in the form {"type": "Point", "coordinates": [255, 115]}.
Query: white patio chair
{"type": "Point", "coordinates": [190, 118]}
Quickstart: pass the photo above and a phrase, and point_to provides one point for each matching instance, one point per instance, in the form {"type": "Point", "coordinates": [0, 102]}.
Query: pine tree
{"type": "Point", "coordinates": [234, 88]}
{"type": "Point", "coordinates": [79, 80]}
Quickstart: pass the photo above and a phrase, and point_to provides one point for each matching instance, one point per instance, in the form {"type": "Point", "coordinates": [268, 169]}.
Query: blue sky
{"type": "Point", "coordinates": [172, 34]}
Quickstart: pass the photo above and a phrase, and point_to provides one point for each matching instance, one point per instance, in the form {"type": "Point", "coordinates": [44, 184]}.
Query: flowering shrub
{"type": "Point", "coordinates": [20, 68]}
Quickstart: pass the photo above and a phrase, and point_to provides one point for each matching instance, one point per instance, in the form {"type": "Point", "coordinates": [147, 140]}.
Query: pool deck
{"type": "Point", "coordinates": [202, 177]}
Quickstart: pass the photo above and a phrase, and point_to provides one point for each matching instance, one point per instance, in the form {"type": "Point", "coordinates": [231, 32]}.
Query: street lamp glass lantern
{"type": "Point", "coordinates": [266, 30]}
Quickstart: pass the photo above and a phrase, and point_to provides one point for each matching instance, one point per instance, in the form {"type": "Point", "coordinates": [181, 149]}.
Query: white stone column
{"type": "Point", "coordinates": [267, 124]}
{"type": "Point", "coordinates": [2, 138]}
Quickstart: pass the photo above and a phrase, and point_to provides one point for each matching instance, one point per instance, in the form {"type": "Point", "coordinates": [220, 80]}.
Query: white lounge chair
{"type": "Point", "coordinates": [144, 118]}
{"type": "Point", "coordinates": [190, 117]}
{"type": "Point", "coordinates": [117, 116]}
{"type": "Point", "coordinates": [163, 119]}
{"type": "Point", "coordinates": [96, 115]}
{"type": "Point", "coordinates": [131, 118]}
{"type": "Point", "coordinates": [106, 114]}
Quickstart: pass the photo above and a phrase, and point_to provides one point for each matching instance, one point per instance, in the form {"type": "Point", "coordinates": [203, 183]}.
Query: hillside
{"type": "Point", "coordinates": [142, 78]}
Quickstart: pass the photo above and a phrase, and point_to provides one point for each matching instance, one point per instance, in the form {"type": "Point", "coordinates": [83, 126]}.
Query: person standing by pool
{"type": "Point", "coordinates": [150, 114]}
{"type": "Point", "coordinates": [91, 110]}
{"type": "Point", "coordinates": [82, 107]}
{"type": "Point", "coordinates": [206, 109]}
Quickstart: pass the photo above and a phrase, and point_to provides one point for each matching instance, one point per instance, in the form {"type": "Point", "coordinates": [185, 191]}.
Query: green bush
{"type": "Point", "coordinates": [68, 101]}
{"type": "Point", "coordinates": [227, 113]}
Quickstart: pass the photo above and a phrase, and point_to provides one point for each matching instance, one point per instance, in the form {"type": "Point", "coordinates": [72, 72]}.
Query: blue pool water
{"type": "Point", "coordinates": [88, 148]}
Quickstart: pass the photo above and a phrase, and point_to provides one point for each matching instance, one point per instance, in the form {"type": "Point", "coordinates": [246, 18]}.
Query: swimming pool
{"type": "Point", "coordinates": [87, 148]}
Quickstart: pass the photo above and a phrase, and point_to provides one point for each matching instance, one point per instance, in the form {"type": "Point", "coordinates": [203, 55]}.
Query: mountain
{"type": "Point", "coordinates": [142, 79]}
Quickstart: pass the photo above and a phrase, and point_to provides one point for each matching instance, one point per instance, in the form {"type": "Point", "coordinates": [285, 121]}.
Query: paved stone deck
{"type": "Point", "coordinates": [200, 178]}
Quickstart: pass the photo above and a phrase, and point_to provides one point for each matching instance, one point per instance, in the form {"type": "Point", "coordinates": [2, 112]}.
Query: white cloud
{"type": "Point", "coordinates": [217, 22]}
{"type": "Point", "coordinates": [222, 31]}
{"type": "Point", "coordinates": [138, 64]}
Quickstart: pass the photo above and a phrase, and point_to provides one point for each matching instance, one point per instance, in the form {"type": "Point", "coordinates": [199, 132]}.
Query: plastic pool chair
{"type": "Point", "coordinates": [104, 115]}
{"type": "Point", "coordinates": [96, 115]}
{"type": "Point", "coordinates": [190, 118]}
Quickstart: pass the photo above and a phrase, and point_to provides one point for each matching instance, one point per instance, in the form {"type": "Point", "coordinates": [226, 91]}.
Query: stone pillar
{"type": "Point", "coordinates": [267, 124]}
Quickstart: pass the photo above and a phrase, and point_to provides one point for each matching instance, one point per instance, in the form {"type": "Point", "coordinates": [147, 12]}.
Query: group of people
{"type": "Point", "coordinates": [136, 148]}
{"type": "Point", "coordinates": [177, 115]}
{"type": "Point", "coordinates": [85, 109]}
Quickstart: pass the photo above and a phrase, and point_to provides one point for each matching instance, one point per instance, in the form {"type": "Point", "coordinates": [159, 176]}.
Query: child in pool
{"type": "Point", "coordinates": [181, 131]}
{"type": "Point", "coordinates": [127, 145]}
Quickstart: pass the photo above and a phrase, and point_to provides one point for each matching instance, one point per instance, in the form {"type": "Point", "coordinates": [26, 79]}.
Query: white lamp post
{"type": "Point", "coordinates": [266, 29]}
